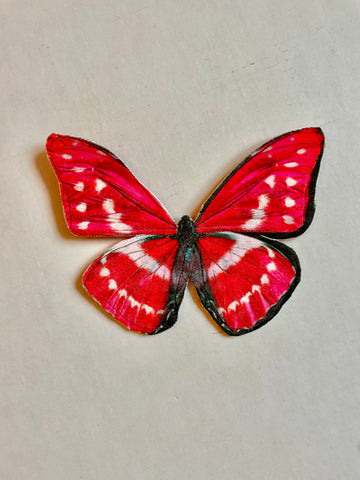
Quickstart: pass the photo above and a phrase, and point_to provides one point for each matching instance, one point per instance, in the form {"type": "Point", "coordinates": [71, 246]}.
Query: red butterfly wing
{"type": "Point", "coordinates": [133, 282]}
{"type": "Point", "coordinates": [101, 197]}
{"type": "Point", "coordinates": [242, 280]}
{"type": "Point", "coordinates": [271, 192]}
{"type": "Point", "coordinates": [245, 280]}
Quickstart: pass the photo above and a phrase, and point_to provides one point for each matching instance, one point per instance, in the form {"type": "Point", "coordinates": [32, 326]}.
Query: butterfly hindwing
{"type": "Point", "coordinates": [134, 282]}
{"type": "Point", "coordinates": [271, 192]}
{"type": "Point", "coordinates": [101, 197]}
{"type": "Point", "coordinates": [245, 280]}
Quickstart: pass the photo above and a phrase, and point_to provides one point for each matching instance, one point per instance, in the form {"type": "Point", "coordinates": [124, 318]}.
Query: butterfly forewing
{"type": "Point", "coordinates": [247, 279]}
{"type": "Point", "coordinates": [271, 192]}
{"type": "Point", "coordinates": [101, 197]}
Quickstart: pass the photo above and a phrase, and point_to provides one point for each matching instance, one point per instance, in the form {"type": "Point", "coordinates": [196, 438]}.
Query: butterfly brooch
{"type": "Point", "coordinates": [242, 274]}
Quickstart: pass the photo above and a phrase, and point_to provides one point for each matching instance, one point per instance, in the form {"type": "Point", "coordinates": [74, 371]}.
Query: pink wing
{"type": "Point", "coordinates": [271, 192]}
{"type": "Point", "coordinates": [133, 282]}
{"type": "Point", "coordinates": [101, 197]}
{"type": "Point", "coordinates": [246, 279]}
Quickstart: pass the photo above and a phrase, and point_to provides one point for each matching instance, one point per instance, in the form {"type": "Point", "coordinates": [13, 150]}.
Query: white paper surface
{"type": "Point", "coordinates": [181, 91]}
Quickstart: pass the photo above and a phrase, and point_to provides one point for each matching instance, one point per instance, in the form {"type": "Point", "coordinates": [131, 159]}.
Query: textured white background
{"type": "Point", "coordinates": [181, 91]}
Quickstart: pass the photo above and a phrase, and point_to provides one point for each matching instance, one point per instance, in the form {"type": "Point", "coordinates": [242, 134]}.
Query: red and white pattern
{"type": "Point", "coordinates": [242, 277]}
{"type": "Point", "coordinates": [247, 277]}
{"type": "Point", "coordinates": [269, 192]}
{"type": "Point", "coordinates": [132, 281]}
{"type": "Point", "coordinates": [101, 197]}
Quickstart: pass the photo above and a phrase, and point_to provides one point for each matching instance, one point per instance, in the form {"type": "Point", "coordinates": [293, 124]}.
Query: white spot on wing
{"type": "Point", "coordinates": [263, 201]}
{"type": "Point", "coordinates": [79, 187]}
{"type": "Point", "coordinates": [257, 214]}
{"type": "Point", "coordinates": [108, 205]}
{"type": "Point", "coordinates": [271, 267]}
{"type": "Point", "coordinates": [232, 306]}
{"type": "Point", "coordinates": [104, 272]}
{"type": "Point", "coordinates": [114, 218]}
{"type": "Point", "coordinates": [148, 309]}
{"type": "Point", "coordinates": [253, 223]}
{"type": "Point", "coordinates": [245, 298]}
{"type": "Point", "coordinates": [133, 302]}
{"type": "Point", "coordinates": [291, 164]}
{"type": "Point", "coordinates": [290, 182]}
{"type": "Point", "coordinates": [81, 207]}
{"type": "Point", "coordinates": [289, 202]}
{"type": "Point", "coordinates": [112, 284]}
{"type": "Point", "coordinates": [83, 225]}
{"type": "Point", "coordinates": [264, 279]}
{"type": "Point", "coordinates": [271, 181]}
{"type": "Point", "coordinates": [301, 151]}
{"type": "Point", "coordinates": [271, 253]}
{"type": "Point", "coordinates": [288, 219]}
{"type": "Point", "coordinates": [99, 185]}
{"type": "Point", "coordinates": [118, 226]}
{"type": "Point", "coordinates": [66, 156]}
{"type": "Point", "coordinates": [78, 169]}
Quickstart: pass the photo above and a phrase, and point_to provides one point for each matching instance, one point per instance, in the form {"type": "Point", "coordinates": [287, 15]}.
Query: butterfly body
{"type": "Point", "coordinates": [186, 265]}
{"type": "Point", "coordinates": [242, 274]}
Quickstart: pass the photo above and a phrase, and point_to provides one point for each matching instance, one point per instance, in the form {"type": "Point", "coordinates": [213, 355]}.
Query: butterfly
{"type": "Point", "coordinates": [241, 273]}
